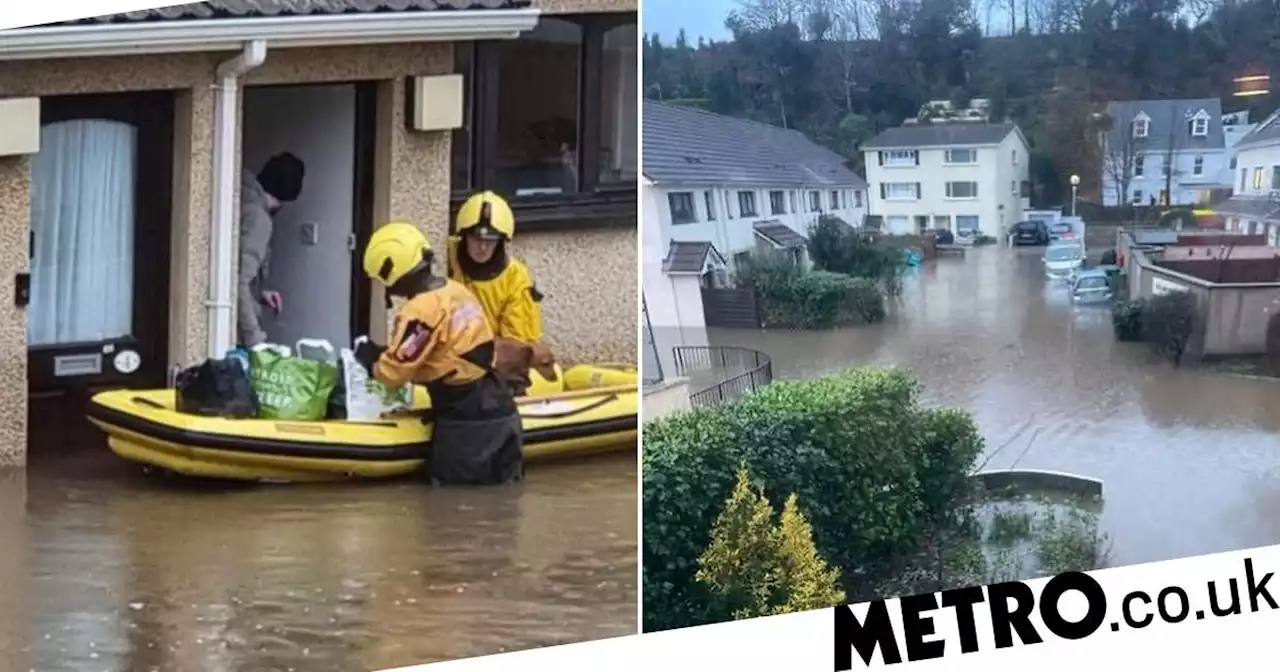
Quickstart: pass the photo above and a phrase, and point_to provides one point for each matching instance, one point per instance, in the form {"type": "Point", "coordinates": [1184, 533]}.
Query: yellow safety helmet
{"type": "Point", "coordinates": [394, 251]}
{"type": "Point", "coordinates": [488, 214]}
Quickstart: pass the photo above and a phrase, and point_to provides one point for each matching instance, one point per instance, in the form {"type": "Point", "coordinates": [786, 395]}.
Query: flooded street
{"type": "Point", "coordinates": [1190, 460]}
{"type": "Point", "coordinates": [127, 573]}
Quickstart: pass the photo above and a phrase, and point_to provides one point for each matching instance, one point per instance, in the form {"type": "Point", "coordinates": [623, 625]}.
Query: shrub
{"type": "Point", "coordinates": [1168, 321]}
{"type": "Point", "coordinates": [864, 460]}
{"type": "Point", "coordinates": [984, 239]}
{"type": "Point", "coordinates": [1126, 319]}
{"type": "Point", "coordinates": [836, 247]}
{"type": "Point", "coordinates": [756, 567]}
{"type": "Point", "coordinates": [792, 298]}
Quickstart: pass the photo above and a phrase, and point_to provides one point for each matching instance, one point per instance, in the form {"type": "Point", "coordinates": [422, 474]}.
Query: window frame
{"type": "Point", "coordinates": [834, 199]}
{"type": "Point", "coordinates": [1200, 125]}
{"type": "Point", "coordinates": [671, 208]}
{"type": "Point", "coordinates": [594, 200]}
{"type": "Point", "coordinates": [747, 198]}
{"type": "Point", "coordinates": [1141, 122]}
{"type": "Point", "coordinates": [973, 157]}
{"type": "Point", "coordinates": [709, 200]}
{"type": "Point", "coordinates": [815, 200]}
{"type": "Point", "coordinates": [885, 189]}
{"type": "Point", "coordinates": [1197, 165]}
{"type": "Point", "coordinates": [953, 197]}
{"type": "Point", "coordinates": [899, 158]}
{"type": "Point", "coordinates": [1139, 166]}
{"type": "Point", "coordinates": [778, 207]}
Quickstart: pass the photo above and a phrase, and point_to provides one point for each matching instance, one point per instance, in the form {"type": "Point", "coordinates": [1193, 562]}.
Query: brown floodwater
{"type": "Point", "coordinates": [1190, 459]}
{"type": "Point", "coordinates": [105, 570]}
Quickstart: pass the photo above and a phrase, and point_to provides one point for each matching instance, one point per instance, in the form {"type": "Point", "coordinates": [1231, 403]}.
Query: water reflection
{"type": "Point", "coordinates": [1190, 460]}
{"type": "Point", "coordinates": [124, 573]}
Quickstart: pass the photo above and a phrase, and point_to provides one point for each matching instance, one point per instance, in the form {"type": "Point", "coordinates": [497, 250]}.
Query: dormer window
{"type": "Point", "coordinates": [1140, 126]}
{"type": "Point", "coordinates": [1200, 124]}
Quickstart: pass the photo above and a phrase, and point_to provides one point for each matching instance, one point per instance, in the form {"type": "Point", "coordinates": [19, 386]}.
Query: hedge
{"type": "Point", "coordinates": [793, 298]}
{"type": "Point", "coordinates": [871, 469]}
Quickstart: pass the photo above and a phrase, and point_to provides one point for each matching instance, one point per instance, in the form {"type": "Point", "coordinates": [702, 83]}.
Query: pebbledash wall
{"type": "Point", "coordinates": [586, 319]}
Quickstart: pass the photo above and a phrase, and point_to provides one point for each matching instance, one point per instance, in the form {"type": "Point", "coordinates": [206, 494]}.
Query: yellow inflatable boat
{"type": "Point", "coordinates": [570, 417]}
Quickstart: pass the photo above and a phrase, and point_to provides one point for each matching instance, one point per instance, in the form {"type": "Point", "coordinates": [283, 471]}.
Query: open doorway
{"type": "Point", "coordinates": [316, 239]}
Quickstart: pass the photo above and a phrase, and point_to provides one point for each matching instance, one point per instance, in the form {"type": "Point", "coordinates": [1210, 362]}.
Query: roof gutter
{"type": "Point", "coordinates": [279, 32]}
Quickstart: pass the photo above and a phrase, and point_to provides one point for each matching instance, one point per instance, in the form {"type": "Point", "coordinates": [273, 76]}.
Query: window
{"type": "Point", "coordinates": [815, 202]}
{"type": "Point", "coordinates": [1014, 156]}
{"type": "Point", "coordinates": [899, 157]}
{"type": "Point", "coordinates": [1275, 177]}
{"type": "Point", "coordinates": [966, 225]}
{"type": "Point", "coordinates": [1257, 178]}
{"type": "Point", "coordinates": [1244, 176]}
{"type": "Point", "coordinates": [962, 190]}
{"type": "Point", "coordinates": [900, 191]}
{"type": "Point", "coordinates": [1200, 126]}
{"type": "Point", "coordinates": [898, 224]}
{"type": "Point", "coordinates": [82, 199]}
{"type": "Point", "coordinates": [1140, 127]}
{"type": "Point", "coordinates": [1139, 165]}
{"type": "Point", "coordinates": [835, 199]}
{"type": "Point", "coordinates": [793, 202]}
{"type": "Point", "coordinates": [1137, 196]}
{"type": "Point", "coordinates": [857, 198]}
{"type": "Point", "coordinates": [550, 117]}
{"type": "Point", "coordinates": [681, 203]}
{"type": "Point", "coordinates": [1166, 165]}
{"type": "Point", "coordinates": [1013, 187]}
{"type": "Point", "coordinates": [966, 156]}
{"type": "Point", "coordinates": [1233, 163]}
{"type": "Point", "coordinates": [1197, 168]}
{"type": "Point", "coordinates": [778, 202]}
{"type": "Point", "coordinates": [747, 203]}
{"type": "Point", "coordinates": [710, 201]}
{"type": "Point", "coordinates": [728, 206]}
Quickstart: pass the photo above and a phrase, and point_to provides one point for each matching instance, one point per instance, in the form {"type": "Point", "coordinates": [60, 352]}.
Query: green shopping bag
{"type": "Point", "coordinates": [289, 387]}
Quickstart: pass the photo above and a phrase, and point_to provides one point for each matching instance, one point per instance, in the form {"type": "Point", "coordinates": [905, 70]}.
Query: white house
{"type": "Point", "coordinates": [739, 186]}
{"type": "Point", "coordinates": [1254, 206]}
{"type": "Point", "coordinates": [963, 176]}
{"type": "Point", "coordinates": [1167, 151]}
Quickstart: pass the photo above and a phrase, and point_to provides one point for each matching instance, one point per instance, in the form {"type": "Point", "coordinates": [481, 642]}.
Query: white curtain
{"type": "Point", "coordinates": [82, 220]}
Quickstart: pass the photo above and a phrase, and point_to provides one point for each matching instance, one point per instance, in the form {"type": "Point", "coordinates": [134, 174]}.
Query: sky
{"type": "Point", "coordinates": [703, 18]}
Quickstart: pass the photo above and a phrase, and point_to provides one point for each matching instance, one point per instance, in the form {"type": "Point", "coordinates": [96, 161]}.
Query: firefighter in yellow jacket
{"type": "Point", "coordinates": [443, 341]}
{"type": "Point", "coordinates": [478, 258]}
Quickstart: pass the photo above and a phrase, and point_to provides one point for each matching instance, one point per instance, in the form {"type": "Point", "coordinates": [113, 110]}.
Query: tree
{"type": "Point", "coordinates": [756, 567]}
{"type": "Point", "coordinates": [1168, 322]}
{"type": "Point", "coordinates": [1121, 154]}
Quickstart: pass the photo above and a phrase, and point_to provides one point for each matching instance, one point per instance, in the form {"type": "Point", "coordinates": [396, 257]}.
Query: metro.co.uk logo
{"type": "Point", "coordinates": [1009, 607]}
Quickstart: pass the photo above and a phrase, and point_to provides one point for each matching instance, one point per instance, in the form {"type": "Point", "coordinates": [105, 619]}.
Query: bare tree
{"type": "Point", "coordinates": [851, 22]}
{"type": "Point", "coordinates": [766, 14]}
{"type": "Point", "coordinates": [1121, 153]}
{"type": "Point", "coordinates": [1178, 125]}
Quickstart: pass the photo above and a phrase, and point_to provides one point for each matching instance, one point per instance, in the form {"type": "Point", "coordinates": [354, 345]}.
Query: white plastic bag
{"type": "Point", "coordinates": [366, 398]}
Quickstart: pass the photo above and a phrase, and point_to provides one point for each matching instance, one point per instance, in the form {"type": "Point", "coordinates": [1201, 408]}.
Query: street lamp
{"type": "Point", "coordinates": [1075, 189]}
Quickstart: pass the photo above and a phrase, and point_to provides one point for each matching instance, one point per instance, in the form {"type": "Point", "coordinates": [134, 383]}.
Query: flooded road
{"type": "Point", "coordinates": [124, 573]}
{"type": "Point", "coordinates": [1190, 459]}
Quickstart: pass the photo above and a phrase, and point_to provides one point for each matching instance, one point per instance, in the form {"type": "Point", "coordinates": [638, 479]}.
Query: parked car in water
{"type": "Point", "coordinates": [1092, 286]}
{"type": "Point", "coordinates": [1061, 231]}
{"type": "Point", "coordinates": [1063, 260]}
{"type": "Point", "coordinates": [1030, 233]}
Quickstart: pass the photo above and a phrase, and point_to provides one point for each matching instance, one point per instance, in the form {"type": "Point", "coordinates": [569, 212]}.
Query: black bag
{"type": "Point", "coordinates": [218, 388]}
{"type": "Point", "coordinates": [337, 409]}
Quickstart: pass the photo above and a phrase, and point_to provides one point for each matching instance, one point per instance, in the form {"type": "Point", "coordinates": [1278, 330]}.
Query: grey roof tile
{"type": "Point", "coordinates": [684, 145]}
{"type": "Point", "coordinates": [1169, 121]}
{"type": "Point", "coordinates": [779, 234]}
{"type": "Point", "coordinates": [1267, 131]}
{"type": "Point", "coordinates": [216, 9]}
{"type": "Point", "coordinates": [687, 256]}
{"type": "Point", "coordinates": [941, 135]}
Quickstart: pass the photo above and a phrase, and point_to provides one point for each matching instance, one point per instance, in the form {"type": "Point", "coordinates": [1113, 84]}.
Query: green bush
{"type": "Point", "coordinates": [870, 468]}
{"type": "Point", "coordinates": [836, 247]}
{"type": "Point", "coordinates": [793, 298]}
{"type": "Point", "coordinates": [1168, 321]}
{"type": "Point", "coordinates": [1126, 319]}
{"type": "Point", "coordinates": [758, 567]}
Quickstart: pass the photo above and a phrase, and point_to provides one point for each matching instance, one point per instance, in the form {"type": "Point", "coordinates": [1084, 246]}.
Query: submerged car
{"type": "Point", "coordinates": [1030, 233]}
{"type": "Point", "coordinates": [1092, 286]}
{"type": "Point", "coordinates": [1063, 260]}
{"type": "Point", "coordinates": [1061, 231]}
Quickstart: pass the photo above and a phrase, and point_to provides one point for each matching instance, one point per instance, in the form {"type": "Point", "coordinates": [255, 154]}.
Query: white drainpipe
{"type": "Point", "coordinates": [222, 261]}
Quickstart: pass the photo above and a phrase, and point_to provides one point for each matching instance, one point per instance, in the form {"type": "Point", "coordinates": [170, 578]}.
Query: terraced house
{"type": "Point", "coordinates": [124, 138]}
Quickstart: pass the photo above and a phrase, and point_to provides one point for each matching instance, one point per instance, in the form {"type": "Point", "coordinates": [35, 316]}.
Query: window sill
{"type": "Point", "coordinates": [960, 165]}
{"type": "Point", "coordinates": [960, 198]}
{"type": "Point", "coordinates": [900, 165]}
{"type": "Point", "coordinates": [902, 200]}
{"type": "Point", "coordinates": [603, 209]}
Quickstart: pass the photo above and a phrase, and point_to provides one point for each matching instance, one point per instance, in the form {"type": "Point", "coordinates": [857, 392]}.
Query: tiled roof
{"type": "Point", "coordinates": [1267, 131]}
{"type": "Point", "coordinates": [1168, 121]}
{"type": "Point", "coordinates": [941, 135]}
{"type": "Point", "coordinates": [684, 145]}
{"type": "Point", "coordinates": [218, 9]}
{"type": "Point", "coordinates": [688, 257]}
{"type": "Point", "coordinates": [779, 234]}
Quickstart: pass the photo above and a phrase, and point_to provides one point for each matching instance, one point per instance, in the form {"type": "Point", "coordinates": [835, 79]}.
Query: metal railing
{"type": "Point", "coordinates": [651, 367]}
{"type": "Point", "coordinates": [741, 371]}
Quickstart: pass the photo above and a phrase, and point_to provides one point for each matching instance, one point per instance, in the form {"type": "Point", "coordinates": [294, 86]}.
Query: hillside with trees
{"type": "Point", "coordinates": [842, 70]}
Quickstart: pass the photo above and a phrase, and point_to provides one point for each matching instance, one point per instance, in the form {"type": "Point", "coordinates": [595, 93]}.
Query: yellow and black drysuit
{"type": "Point", "coordinates": [503, 284]}
{"type": "Point", "coordinates": [442, 341]}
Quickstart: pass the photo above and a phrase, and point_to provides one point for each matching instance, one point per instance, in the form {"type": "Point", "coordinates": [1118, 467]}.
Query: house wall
{"type": "Point", "coordinates": [586, 318]}
{"type": "Point", "coordinates": [674, 303]}
{"type": "Point", "coordinates": [1188, 187]}
{"type": "Point", "coordinates": [997, 175]}
{"type": "Point", "coordinates": [729, 231]}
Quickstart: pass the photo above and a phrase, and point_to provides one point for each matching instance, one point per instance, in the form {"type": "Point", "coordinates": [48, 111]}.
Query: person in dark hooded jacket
{"type": "Point", "coordinates": [261, 197]}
